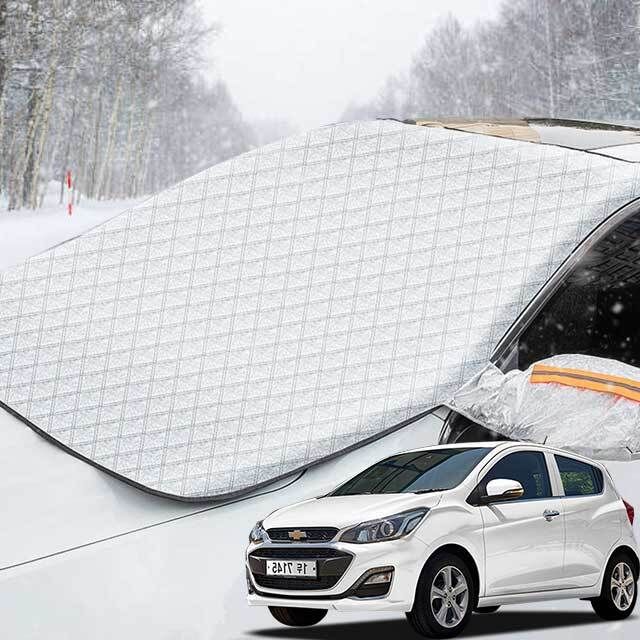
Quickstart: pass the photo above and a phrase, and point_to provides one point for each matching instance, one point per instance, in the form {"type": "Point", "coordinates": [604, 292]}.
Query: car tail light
{"type": "Point", "coordinates": [630, 511]}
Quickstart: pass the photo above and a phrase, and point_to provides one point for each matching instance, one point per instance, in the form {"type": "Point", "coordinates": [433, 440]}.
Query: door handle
{"type": "Point", "coordinates": [550, 515]}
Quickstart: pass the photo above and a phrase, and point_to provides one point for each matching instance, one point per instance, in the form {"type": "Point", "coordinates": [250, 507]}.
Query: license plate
{"type": "Point", "coordinates": [292, 568]}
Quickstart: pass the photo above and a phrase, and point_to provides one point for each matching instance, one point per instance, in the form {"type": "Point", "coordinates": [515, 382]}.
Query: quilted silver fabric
{"type": "Point", "coordinates": [592, 423]}
{"type": "Point", "coordinates": [291, 302]}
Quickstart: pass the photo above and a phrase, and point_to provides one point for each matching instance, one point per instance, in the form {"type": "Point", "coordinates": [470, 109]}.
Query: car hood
{"type": "Point", "coordinates": [344, 511]}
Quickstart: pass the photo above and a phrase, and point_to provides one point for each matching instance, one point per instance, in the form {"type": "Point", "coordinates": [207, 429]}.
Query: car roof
{"type": "Point", "coordinates": [465, 445]}
{"type": "Point", "coordinates": [506, 444]}
{"type": "Point", "coordinates": [604, 138]}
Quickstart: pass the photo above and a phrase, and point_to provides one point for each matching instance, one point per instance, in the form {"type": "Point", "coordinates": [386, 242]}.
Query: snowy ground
{"type": "Point", "coordinates": [26, 233]}
{"type": "Point", "coordinates": [86, 556]}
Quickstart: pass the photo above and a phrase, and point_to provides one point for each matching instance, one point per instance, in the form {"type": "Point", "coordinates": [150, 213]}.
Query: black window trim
{"type": "Point", "coordinates": [503, 350]}
{"type": "Point", "coordinates": [472, 498]}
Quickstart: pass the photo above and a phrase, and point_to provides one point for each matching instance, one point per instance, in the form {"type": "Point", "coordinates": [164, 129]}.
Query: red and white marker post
{"type": "Point", "coordinates": [69, 184]}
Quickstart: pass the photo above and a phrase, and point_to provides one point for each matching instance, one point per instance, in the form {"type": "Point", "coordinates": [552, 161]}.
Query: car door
{"type": "Point", "coordinates": [524, 538]}
{"type": "Point", "coordinates": [593, 520]}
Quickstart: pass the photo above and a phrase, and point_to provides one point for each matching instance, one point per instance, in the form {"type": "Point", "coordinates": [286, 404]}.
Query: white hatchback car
{"type": "Point", "coordinates": [443, 532]}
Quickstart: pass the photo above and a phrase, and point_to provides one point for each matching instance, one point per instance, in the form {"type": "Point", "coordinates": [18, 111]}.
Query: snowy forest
{"type": "Point", "coordinates": [109, 90]}
{"type": "Point", "coordinates": [113, 90]}
{"type": "Point", "coordinates": [547, 58]}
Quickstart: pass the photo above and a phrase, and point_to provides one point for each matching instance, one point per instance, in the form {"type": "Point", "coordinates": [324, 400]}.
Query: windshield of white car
{"type": "Point", "coordinates": [415, 472]}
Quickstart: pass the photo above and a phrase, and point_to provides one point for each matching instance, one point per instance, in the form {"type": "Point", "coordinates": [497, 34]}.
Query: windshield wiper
{"type": "Point", "coordinates": [431, 490]}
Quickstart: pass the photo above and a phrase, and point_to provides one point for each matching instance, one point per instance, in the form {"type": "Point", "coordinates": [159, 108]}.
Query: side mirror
{"type": "Point", "coordinates": [501, 490]}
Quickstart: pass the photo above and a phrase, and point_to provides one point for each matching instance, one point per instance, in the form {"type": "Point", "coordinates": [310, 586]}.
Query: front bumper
{"type": "Point", "coordinates": [347, 604]}
{"type": "Point", "coordinates": [406, 557]}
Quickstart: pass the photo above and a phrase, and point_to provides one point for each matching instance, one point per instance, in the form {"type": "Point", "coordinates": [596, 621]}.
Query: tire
{"type": "Point", "coordinates": [438, 611]}
{"type": "Point", "coordinates": [297, 617]}
{"type": "Point", "coordinates": [486, 609]}
{"type": "Point", "coordinates": [619, 589]}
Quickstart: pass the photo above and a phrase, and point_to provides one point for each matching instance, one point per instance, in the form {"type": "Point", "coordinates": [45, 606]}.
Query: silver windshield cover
{"type": "Point", "coordinates": [293, 302]}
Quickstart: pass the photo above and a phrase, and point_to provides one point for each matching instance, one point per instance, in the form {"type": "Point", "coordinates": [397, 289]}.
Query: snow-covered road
{"type": "Point", "coordinates": [97, 558]}
{"type": "Point", "coordinates": [27, 233]}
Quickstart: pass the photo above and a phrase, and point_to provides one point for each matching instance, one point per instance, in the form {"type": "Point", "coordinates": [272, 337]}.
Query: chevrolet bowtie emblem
{"type": "Point", "coordinates": [297, 535]}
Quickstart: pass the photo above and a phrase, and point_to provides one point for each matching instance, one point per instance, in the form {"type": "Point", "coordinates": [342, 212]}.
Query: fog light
{"type": "Point", "coordinates": [375, 583]}
{"type": "Point", "coordinates": [379, 578]}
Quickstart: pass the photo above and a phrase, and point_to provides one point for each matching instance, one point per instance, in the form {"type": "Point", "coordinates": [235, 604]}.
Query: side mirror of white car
{"type": "Point", "coordinates": [502, 490]}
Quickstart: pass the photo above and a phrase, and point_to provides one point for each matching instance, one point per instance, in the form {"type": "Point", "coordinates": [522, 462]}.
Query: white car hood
{"type": "Point", "coordinates": [344, 511]}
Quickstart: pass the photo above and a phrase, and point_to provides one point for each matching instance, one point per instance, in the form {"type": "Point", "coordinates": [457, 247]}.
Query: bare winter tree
{"type": "Point", "coordinates": [548, 58]}
{"type": "Point", "coordinates": [109, 90]}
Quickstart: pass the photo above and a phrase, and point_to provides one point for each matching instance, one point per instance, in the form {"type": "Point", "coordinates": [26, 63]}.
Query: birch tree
{"type": "Point", "coordinates": [110, 90]}
{"type": "Point", "coordinates": [576, 59]}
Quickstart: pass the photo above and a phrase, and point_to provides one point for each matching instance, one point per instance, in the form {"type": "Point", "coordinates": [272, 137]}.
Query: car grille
{"type": "Point", "coordinates": [332, 563]}
{"type": "Point", "coordinates": [313, 534]}
{"type": "Point", "coordinates": [299, 553]}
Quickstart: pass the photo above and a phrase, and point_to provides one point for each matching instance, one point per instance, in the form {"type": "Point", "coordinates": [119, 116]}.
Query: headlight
{"type": "Point", "coordinates": [389, 528]}
{"type": "Point", "coordinates": [258, 534]}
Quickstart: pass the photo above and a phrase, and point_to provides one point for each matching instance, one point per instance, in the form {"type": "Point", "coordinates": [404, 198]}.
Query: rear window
{"type": "Point", "coordinates": [418, 471]}
{"type": "Point", "coordinates": [579, 478]}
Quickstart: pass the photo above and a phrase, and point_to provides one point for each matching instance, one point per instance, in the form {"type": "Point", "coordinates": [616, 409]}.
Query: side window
{"type": "Point", "coordinates": [529, 468]}
{"type": "Point", "coordinates": [579, 478]}
{"type": "Point", "coordinates": [578, 317]}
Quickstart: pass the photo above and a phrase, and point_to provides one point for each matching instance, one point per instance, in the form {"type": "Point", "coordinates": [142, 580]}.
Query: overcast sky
{"type": "Point", "coordinates": [305, 60]}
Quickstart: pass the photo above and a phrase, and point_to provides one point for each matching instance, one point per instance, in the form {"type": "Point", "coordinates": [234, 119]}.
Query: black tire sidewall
{"type": "Point", "coordinates": [422, 617]}
{"type": "Point", "coordinates": [606, 599]}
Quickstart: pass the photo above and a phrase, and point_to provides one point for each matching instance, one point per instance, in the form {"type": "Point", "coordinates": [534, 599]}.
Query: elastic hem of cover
{"type": "Point", "coordinates": [221, 497]}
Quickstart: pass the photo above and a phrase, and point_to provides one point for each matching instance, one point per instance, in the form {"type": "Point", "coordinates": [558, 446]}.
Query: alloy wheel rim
{"type": "Point", "coordinates": [449, 598]}
{"type": "Point", "coordinates": [623, 586]}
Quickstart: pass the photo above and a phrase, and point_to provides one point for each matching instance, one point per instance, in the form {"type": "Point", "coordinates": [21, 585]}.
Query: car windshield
{"type": "Point", "coordinates": [415, 472]}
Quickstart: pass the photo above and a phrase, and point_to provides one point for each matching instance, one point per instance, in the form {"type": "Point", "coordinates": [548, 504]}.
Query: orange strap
{"type": "Point", "coordinates": [603, 382]}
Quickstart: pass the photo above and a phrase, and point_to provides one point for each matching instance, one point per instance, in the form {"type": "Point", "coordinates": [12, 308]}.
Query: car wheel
{"type": "Point", "coordinates": [297, 617]}
{"type": "Point", "coordinates": [619, 589]}
{"type": "Point", "coordinates": [445, 596]}
{"type": "Point", "coordinates": [486, 609]}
